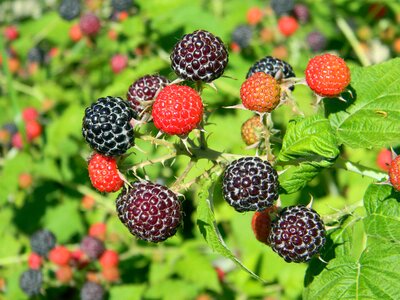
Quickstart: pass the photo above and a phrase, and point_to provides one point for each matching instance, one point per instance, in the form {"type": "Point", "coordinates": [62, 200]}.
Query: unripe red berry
{"type": "Point", "coordinates": [98, 230]}
{"type": "Point", "coordinates": [34, 261]}
{"type": "Point", "coordinates": [109, 259]}
{"type": "Point", "coordinates": [60, 255]}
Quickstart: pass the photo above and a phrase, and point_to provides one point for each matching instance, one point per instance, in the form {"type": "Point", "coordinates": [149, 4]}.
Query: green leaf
{"type": "Point", "coordinates": [208, 225]}
{"type": "Point", "coordinates": [131, 292]}
{"type": "Point", "coordinates": [372, 118]}
{"type": "Point", "coordinates": [170, 290]}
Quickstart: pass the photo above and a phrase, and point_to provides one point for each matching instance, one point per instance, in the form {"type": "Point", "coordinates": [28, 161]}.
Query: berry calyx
{"type": "Point", "coordinates": [394, 173]}
{"type": "Point", "coordinates": [103, 173]}
{"type": "Point", "coordinates": [260, 92]}
{"type": "Point", "coordinates": [177, 110]}
{"type": "Point", "coordinates": [327, 75]}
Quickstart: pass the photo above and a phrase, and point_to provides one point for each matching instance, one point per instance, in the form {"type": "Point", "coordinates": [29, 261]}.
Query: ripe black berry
{"type": "Point", "coordinates": [242, 35]}
{"type": "Point", "coordinates": [199, 56]}
{"type": "Point", "coordinates": [42, 242]}
{"type": "Point", "coordinates": [30, 282]}
{"type": "Point", "coordinates": [281, 7]}
{"type": "Point", "coordinates": [36, 55]}
{"type": "Point", "coordinates": [106, 126]}
{"type": "Point", "coordinates": [250, 183]}
{"type": "Point", "coordinates": [297, 234]}
{"type": "Point", "coordinates": [301, 13]}
{"type": "Point", "coordinates": [69, 9]}
{"type": "Point", "coordinates": [92, 291]}
{"type": "Point", "coordinates": [121, 5]}
{"type": "Point", "coordinates": [92, 247]}
{"type": "Point", "coordinates": [316, 40]}
{"type": "Point", "coordinates": [145, 89]}
{"type": "Point", "coordinates": [150, 211]}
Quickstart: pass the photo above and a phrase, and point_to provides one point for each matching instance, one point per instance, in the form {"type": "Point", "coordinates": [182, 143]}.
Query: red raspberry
{"type": "Point", "coordinates": [11, 33]}
{"type": "Point", "coordinates": [79, 259]}
{"type": "Point", "coordinates": [178, 109]}
{"type": "Point", "coordinates": [33, 130]}
{"type": "Point", "coordinates": [98, 230]}
{"type": "Point", "coordinates": [87, 202]}
{"type": "Point", "coordinates": [287, 25]}
{"type": "Point", "coordinates": [16, 141]}
{"type": "Point", "coordinates": [261, 224]}
{"type": "Point", "coordinates": [25, 180]}
{"type": "Point", "coordinates": [75, 33]}
{"type": "Point", "coordinates": [89, 24]}
{"type": "Point", "coordinates": [109, 259]}
{"type": "Point", "coordinates": [260, 92]}
{"type": "Point", "coordinates": [254, 15]}
{"type": "Point", "coordinates": [30, 114]}
{"type": "Point", "coordinates": [110, 274]}
{"type": "Point", "coordinates": [103, 173]}
{"type": "Point", "coordinates": [394, 173]}
{"type": "Point", "coordinates": [64, 274]}
{"type": "Point", "coordinates": [118, 63]}
{"type": "Point", "coordinates": [34, 261]}
{"type": "Point", "coordinates": [60, 255]}
{"type": "Point", "coordinates": [384, 159]}
{"type": "Point", "coordinates": [327, 75]}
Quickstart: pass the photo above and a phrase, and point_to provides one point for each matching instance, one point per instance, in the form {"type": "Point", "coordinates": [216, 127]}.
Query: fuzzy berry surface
{"type": "Point", "coordinates": [92, 247]}
{"type": "Point", "coordinates": [89, 24]}
{"type": "Point", "coordinates": [177, 110]}
{"type": "Point", "coordinates": [250, 184]}
{"type": "Point", "coordinates": [261, 225]}
{"type": "Point", "coordinates": [260, 92]}
{"type": "Point", "coordinates": [251, 130]}
{"type": "Point", "coordinates": [31, 281]}
{"type": "Point", "coordinates": [92, 291]}
{"type": "Point", "coordinates": [103, 173]}
{"type": "Point", "coordinates": [394, 173]}
{"type": "Point", "coordinates": [69, 9]}
{"type": "Point", "coordinates": [199, 56]}
{"type": "Point", "coordinates": [150, 211]}
{"type": "Point", "coordinates": [297, 234]}
{"type": "Point", "coordinates": [327, 75]}
{"type": "Point", "coordinates": [60, 256]}
{"type": "Point", "coordinates": [42, 241]}
{"type": "Point", "coordinates": [145, 89]}
{"type": "Point", "coordinates": [106, 126]}
{"type": "Point", "coordinates": [287, 25]}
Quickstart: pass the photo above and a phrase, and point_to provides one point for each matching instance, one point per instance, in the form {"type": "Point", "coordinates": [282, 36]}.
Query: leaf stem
{"type": "Point", "coordinates": [360, 169]}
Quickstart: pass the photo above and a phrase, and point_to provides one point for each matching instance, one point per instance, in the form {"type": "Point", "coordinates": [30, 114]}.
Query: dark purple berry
{"type": "Point", "coordinates": [150, 211]}
{"type": "Point", "coordinates": [89, 24]}
{"type": "Point", "coordinates": [92, 291]}
{"type": "Point", "coordinates": [31, 281]}
{"type": "Point", "coordinates": [121, 5]}
{"type": "Point", "coordinates": [317, 41]}
{"type": "Point", "coordinates": [281, 7]}
{"type": "Point", "coordinates": [92, 247]}
{"type": "Point", "coordinates": [42, 242]}
{"type": "Point", "coordinates": [242, 35]}
{"type": "Point", "coordinates": [301, 13]}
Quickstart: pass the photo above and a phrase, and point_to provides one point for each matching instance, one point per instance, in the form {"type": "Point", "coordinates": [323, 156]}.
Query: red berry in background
{"type": "Point", "coordinates": [75, 33]}
{"type": "Point", "coordinates": [254, 15]}
{"type": "Point", "coordinates": [220, 273]}
{"type": "Point", "coordinates": [109, 259]}
{"type": "Point", "coordinates": [122, 16]}
{"type": "Point", "coordinates": [30, 114]}
{"type": "Point", "coordinates": [11, 33]}
{"type": "Point", "coordinates": [87, 202]}
{"type": "Point", "coordinates": [79, 259]}
{"type": "Point", "coordinates": [90, 24]}
{"type": "Point", "coordinates": [98, 230]}
{"type": "Point", "coordinates": [33, 130]}
{"type": "Point", "coordinates": [384, 159]}
{"type": "Point", "coordinates": [118, 63]}
{"type": "Point", "coordinates": [287, 25]}
{"type": "Point", "coordinates": [261, 224]}
{"type": "Point", "coordinates": [17, 141]}
{"type": "Point", "coordinates": [64, 274]}
{"type": "Point", "coordinates": [34, 261]}
{"type": "Point", "coordinates": [377, 10]}
{"type": "Point", "coordinates": [110, 274]}
{"type": "Point", "coordinates": [327, 75]}
{"type": "Point", "coordinates": [14, 65]}
{"type": "Point", "coordinates": [394, 173]}
{"type": "Point", "coordinates": [103, 173]}
{"type": "Point", "coordinates": [25, 180]}
{"type": "Point", "coordinates": [60, 255]}
{"type": "Point", "coordinates": [177, 110]}
{"type": "Point", "coordinates": [112, 35]}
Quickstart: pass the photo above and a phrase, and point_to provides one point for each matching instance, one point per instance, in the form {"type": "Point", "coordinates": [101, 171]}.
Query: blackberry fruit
{"type": "Point", "coordinates": [92, 291]}
{"type": "Point", "coordinates": [250, 183]}
{"type": "Point", "coordinates": [297, 234]}
{"type": "Point", "coordinates": [150, 211]}
{"type": "Point", "coordinates": [42, 241]}
{"type": "Point", "coordinates": [31, 281]}
{"type": "Point", "coordinates": [106, 126]}
{"type": "Point", "coordinates": [301, 13]}
{"type": "Point", "coordinates": [242, 35]}
{"type": "Point", "coordinates": [145, 89]}
{"type": "Point", "coordinates": [36, 55]}
{"type": "Point", "coordinates": [199, 56]}
{"type": "Point", "coordinates": [316, 40]}
{"type": "Point", "coordinates": [121, 5]}
{"type": "Point", "coordinates": [92, 247]}
{"type": "Point", "coordinates": [281, 7]}
{"type": "Point", "coordinates": [69, 9]}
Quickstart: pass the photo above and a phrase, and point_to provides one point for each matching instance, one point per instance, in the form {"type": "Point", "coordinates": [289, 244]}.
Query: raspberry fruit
{"type": "Point", "coordinates": [394, 173]}
{"type": "Point", "coordinates": [178, 109]}
{"type": "Point", "coordinates": [281, 7]}
{"type": "Point", "coordinates": [261, 225]}
{"type": "Point", "coordinates": [150, 211]}
{"type": "Point", "coordinates": [11, 33]}
{"type": "Point", "coordinates": [251, 130]}
{"type": "Point", "coordinates": [297, 234]}
{"type": "Point", "coordinates": [118, 63]}
{"type": "Point", "coordinates": [327, 75]}
{"type": "Point", "coordinates": [260, 92]}
{"type": "Point", "coordinates": [92, 247]}
{"type": "Point", "coordinates": [103, 173]}
{"type": "Point", "coordinates": [316, 40]}
{"type": "Point", "coordinates": [92, 291]}
{"type": "Point", "coordinates": [250, 183]}
{"type": "Point", "coordinates": [121, 5]}
{"type": "Point", "coordinates": [42, 242]}
{"type": "Point", "coordinates": [145, 89]}
{"type": "Point", "coordinates": [64, 274]}
{"type": "Point", "coordinates": [110, 274]}
{"type": "Point", "coordinates": [287, 25]}
{"type": "Point", "coordinates": [69, 9]}
{"type": "Point", "coordinates": [242, 35]}
{"type": "Point", "coordinates": [89, 24]}
{"type": "Point", "coordinates": [109, 259]}
{"type": "Point", "coordinates": [384, 159]}
{"type": "Point", "coordinates": [60, 256]}
{"type": "Point", "coordinates": [25, 180]}
{"type": "Point", "coordinates": [34, 261]}
{"type": "Point", "coordinates": [33, 130]}
{"type": "Point", "coordinates": [31, 281]}
{"type": "Point", "coordinates": [106, 126]}
{"type": "Point", "coordinates": [254, 15]}
{"type": "Point", "coordinates": [75, 33]}
{"type": "Point", "coordinates": [98, 230]}
{"type": "Point", "coordinates": [30, 114]}
{"type": "Point", "coordinates": [199, 56]}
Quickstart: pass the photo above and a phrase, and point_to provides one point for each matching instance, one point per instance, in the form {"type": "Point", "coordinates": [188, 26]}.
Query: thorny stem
{"type": "Point", "coordinates": [177, 184]}
{"type": "Point", "coordinates": [360, 169]}
{"type": "Point", "coordinates": [153, 161]}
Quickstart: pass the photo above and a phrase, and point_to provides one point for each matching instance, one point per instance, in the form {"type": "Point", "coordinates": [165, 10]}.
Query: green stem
{"type": "Point", "coordinates": [13, 260]}
{"type": "Point", "coordinates": [360, 169]}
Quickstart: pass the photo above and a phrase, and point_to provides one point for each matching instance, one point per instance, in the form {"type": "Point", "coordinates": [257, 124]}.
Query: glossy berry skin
{"type": "Point", "coordinates": [327, 75]}
{"type": "Point", "coordinates": [92, 247]}
{"type": "Point", "coordinates": [60, 256]}
{"type": "Point", "coordinates": [92, 291]}
{"type": "Point", "coordinates": [145, 89]}
{"type": "Point", "coordinates": [394, 173]}
{"type": "Point", "coordinates": [199, 56]}
{"type": "Point", "coordinates": [89, 24]}
{"type": "Point", "coordinates": [150, 211]}
{"type": "Point", "coordinates": [297, 234]}
{"type": "Point", "coordinates": [287, 25]}
{"type": "Point", "coordinates": [251, 130]}
{"type": "Point", "coordinates": [177, 110]}
{"type": "Point", "coordinates": [249, 184]}
{"type": "Point", "coordinates": [103, 173]}
{"type": "Point", "coordinates": [31, 281]}
{"type": "Point", "coordinates": [106, 126]}
{"type": "Point", "coordinates": [42, 241]}
{"type": "Point", "coordinates": [260, 92]}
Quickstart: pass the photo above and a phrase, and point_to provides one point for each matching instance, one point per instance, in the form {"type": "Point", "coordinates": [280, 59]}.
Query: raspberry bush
{"type": "Point", "coordinates": [149, 173]}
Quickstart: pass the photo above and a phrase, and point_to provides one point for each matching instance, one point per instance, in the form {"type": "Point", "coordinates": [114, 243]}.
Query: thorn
{"type": "Point", "coordinates": [278, 203]}
{"type": "Point", "coordinates": [237, 106]}
{"type": "Point", "coordinates": [342, 99]}
{"type": "Point", "coordinates": [319, 98]}
{"type": "Point", "coordinates": [283, 171]}
{"type": "Point", "coordinates": [387, 181]}
{"type": "Point", "coordinates": [212, 85]}
{"type": "Point", "coordinates": [185, 143]}
{"type": "Point", "coordinates": [394, 154]}
{"type": "Point", "coordinates": [230, 77]}
{"type": "Point", "coordinates": [139, 149]}
{"type": "Point", "coordinates": [320, 258]}
{"type": "Point", "coordinates": [173, 161]}
{"type": "Point", "coordinates": [159, 134]}
{"type": "Point", "coordinates": [252, 146]}
{"type": "Point", "coordinates": [176, 81]}
{"type": "Point", "coordinates": [122, 176]}
{"type": "Point", "coordinates": [350, 92]}
{"type": "Point", "coordinates": [309, 205]}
